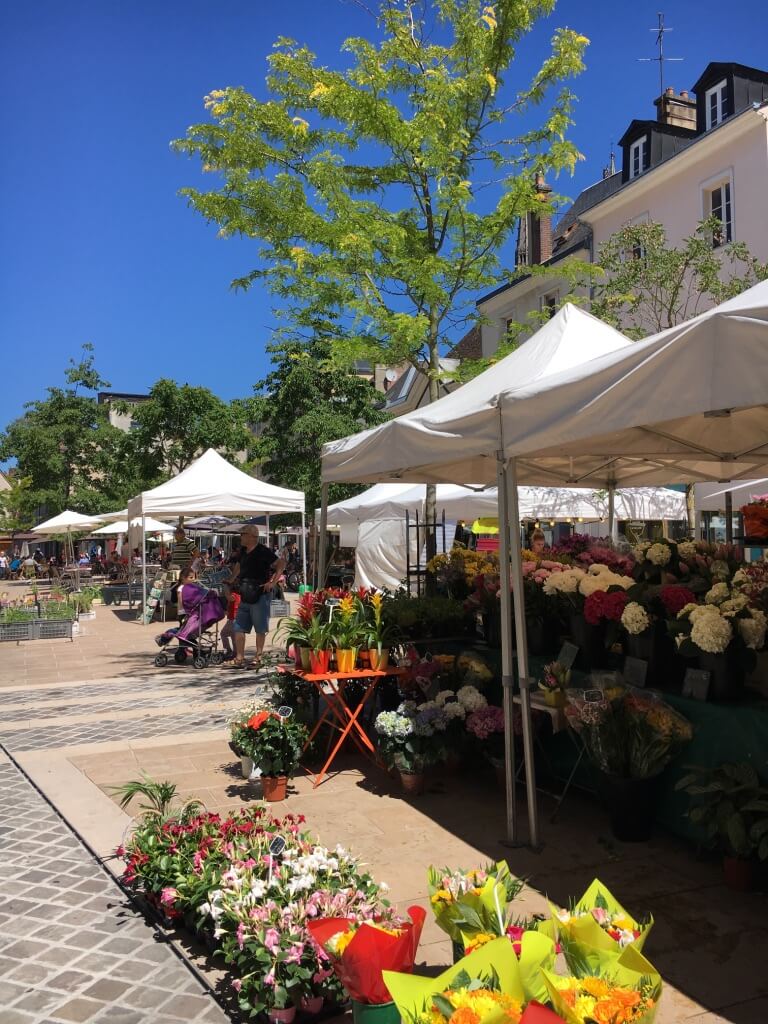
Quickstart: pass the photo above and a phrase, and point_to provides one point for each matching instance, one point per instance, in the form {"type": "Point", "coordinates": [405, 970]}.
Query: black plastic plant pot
{"type": "Point", "coordinates": [631, 806]}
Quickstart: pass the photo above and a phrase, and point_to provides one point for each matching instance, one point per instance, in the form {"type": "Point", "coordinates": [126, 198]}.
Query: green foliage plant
{"type": "Point", "coordinates": [730, 803]}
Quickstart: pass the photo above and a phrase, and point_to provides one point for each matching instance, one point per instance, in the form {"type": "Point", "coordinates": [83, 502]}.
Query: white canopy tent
{"type": "Point", "coordinates": [373, 521]}
{"type": "Point", "coordinates": [67, 522]}
{"type": "Point", "coordinates": [602, 421]}
{"type": "Point", "coordinates": [211, 485]}
{"type": "Point", "coordinates": [122, 526]}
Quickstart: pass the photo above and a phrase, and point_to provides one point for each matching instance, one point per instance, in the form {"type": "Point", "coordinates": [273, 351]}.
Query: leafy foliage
{"type": "Point", "coordinates": [385, 191]}
{"type": "Point", "coordinates": [650, 285]}
{"type": "Point", "coordinates": [731, 804]}
{"type": "Point", "coordinates": [178, 422]}
{"type": "Point", "coordinates": [302, 403]}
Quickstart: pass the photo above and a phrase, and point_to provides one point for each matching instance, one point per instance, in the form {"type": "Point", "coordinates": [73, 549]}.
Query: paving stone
{"type": "Point", "coordinates": [186, 1006]}
{"type": "Point", "coordinates": [145, 997]}
{"type": "Point", "coordinates": [57, 956]}
{"type": "Point", "coordinates": [69, 981]}
{"type": "Point", "coordinates": [9, 992]}
{"type": "Point", "coordinates": [107, 989]}
{"type": "Point", "coordinates": [38, 1001]}
{"type": "Point", "coordinates": [12, 1016]}
{"type": "Point", "coordinates": [78, 1010]}
{"type": "Point", "coordinates": [26, 949]}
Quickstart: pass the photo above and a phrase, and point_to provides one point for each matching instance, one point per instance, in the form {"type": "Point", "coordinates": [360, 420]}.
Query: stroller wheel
{"type": "Point", "coordinates": [161, 660]}
{"type": "Point", "coordinates": [180, 656]}
{"type": "Point", "coordinates": [217, 658]}
{"type": "Point", "coordinates": [200, 661]}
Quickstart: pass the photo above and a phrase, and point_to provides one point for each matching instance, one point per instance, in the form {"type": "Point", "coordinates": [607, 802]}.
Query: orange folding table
{"type": "Point", "coordinates": [337, 714]}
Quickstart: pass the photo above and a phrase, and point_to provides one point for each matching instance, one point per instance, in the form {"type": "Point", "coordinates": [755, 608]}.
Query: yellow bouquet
{"type": "Point", "coordinates": [461, 900]}
{"type": "Point", "coordinates": [490, 986]}
{"type": "Point", "coordinates": [626, 993]}
{"type": "Point", "coordinates": [596, 929]}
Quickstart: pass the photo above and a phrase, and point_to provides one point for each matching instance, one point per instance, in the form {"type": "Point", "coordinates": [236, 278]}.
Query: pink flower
{"type": "Point", "coordinates": [241, 935]}
{"type": "Point", "coordinates": [600, 915]}
{"type": "Point", "coordinates": [168, 896]}
{"type": "Point", "coordinates": [237, 984]}
{"type": "Point", "coordinates": [295, 953]}
{"type": "Point", "coordinates": [197, 861]}
{"type": "Point", "coordinates": [269, 979]}
{"type": "Point", "coordinates": [272, 940]}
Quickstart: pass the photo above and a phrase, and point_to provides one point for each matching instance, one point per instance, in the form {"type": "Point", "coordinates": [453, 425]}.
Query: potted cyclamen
{"type": "Point", "coordinates": [346, 631]}
{"type": "Point", "coordinates": [380, 636]}
{"type": "Point", "coordinates": [274, 743]}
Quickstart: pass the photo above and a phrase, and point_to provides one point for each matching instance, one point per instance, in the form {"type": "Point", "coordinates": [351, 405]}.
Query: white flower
{"type": "Point", "coordinates": [720, 592]}
{"type": "Point", "coordinates": [635, 619]}
{"type": "Point", "coordinates": [640, 549]}
{"type": "Point", "coordinates": [686, 549]}
{"type": "Point", "coordinates": [470, 698]}
{"type": "Point", "coordinates": [739, 579]}
{"type": "Point", "coordinates": [700, 610]}
{"type": "Point", "coordinates": [736, 604]}
{"type": "Point", "coordinates": [752, 630]}
{"type": "Point", "coordinates": [659, 554]}
{"type": "Point", "coordinates": [444, 696]}
{"type": "Point", "coordinates": [603, 579]}
{"type": "Point", "coordinates": [563, 582]}
{"type": "Point", "coordinates": [453, 709]}
{"type": "Point", "coordinates": [686, 610]}
{"type": "Point", "coordinates": [712, 633]}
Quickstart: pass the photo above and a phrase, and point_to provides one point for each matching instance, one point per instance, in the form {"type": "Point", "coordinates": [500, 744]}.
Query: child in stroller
{"type": "Point", "coordinates": [200, 611]}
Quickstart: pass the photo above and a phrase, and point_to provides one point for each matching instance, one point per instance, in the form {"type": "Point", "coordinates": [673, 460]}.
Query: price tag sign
{"type": "Point", "coordinates": [635, 671]}
{"type": "Point", "coordinates": [568, 654]}
{"type": "Point", "coordinates": [285, 711]}
{"type": "Point", "coordinates": [594, 696]}
{"type": "Point", "coordinates": [696, 684]}
{"type": "Point", "coordinates": [277, 846]}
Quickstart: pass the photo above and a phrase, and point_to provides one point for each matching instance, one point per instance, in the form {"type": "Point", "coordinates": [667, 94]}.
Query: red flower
{"type": "Point", "coordinates": [676, 598]}
{"type": "Point", "coordinates": [256, 721]}
{"type": "Point", "coordinates": [593, 607]}
{"type": "Point", "coordinates": [615, 603]}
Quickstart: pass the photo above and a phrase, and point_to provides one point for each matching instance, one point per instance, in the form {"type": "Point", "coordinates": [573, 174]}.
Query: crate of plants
{"type": "Point", "coordinates": [46, 621]}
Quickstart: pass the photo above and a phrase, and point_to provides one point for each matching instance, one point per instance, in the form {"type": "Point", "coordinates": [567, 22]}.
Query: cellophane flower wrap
{"type": "Point", "coordinates": [372, 949]}
{"type": "Point", "coordinates": [487, 987]}
{"type": "Point", "coordinates": [627, 992]}
{"type": "Point", "coordinates": [482, 890]}
{"type": "Point", "coordinates": [597, 929]}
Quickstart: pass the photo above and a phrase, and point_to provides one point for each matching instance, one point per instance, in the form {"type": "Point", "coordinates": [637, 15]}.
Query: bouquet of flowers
{"type": "Point", "coordinates": [726, 617]}
{"type": "Point", "coordinates": [627, 992]}
{"type": "Point", "coordinates": [460, 900]}
{"type": "Point", "coordinates": [555, 679]}
{"type": "Point", "coordinates": [358, 951]}
{"type": "Point", "coordinates": [627, 733]}
{"type": "Point", "coordinates": [756, 516]}
{"type": "Point", "coordinates": [597, 928]}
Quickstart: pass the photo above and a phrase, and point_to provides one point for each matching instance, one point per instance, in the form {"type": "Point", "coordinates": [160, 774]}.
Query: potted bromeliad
{"type": "Point", "coordinates": [379, 636]}
{"type": "Point", "coordinates": [730, 803]}
{"type": "Point", "coordinates": [319, 639]}
{"type": "Point", "coordinates": [295, 633]}
{"type": "Point", "coordinates": [274, 743]}
{"type": "Point", "coordinates": [346, 630]}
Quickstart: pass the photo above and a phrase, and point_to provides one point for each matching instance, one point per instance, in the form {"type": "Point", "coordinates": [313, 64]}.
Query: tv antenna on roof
{"type": "Point", "coordinates": [660, 30]}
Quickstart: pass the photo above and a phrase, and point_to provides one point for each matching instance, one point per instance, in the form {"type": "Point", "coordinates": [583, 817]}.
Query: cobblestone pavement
{"type": "Point", "coordinates": [71, 947]}
{"type": "Point", "coordinates": [202, 686]}
{"type": "Point", "coordinates": [22, 713]}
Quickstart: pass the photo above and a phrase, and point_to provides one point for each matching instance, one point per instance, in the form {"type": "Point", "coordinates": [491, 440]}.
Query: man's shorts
{"type": "Point", "coordinates": [253, 616]}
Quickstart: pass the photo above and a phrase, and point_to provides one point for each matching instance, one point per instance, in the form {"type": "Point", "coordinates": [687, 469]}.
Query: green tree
{"type": "Point", "coordinates": [385, 192]}
{"type": "Point", "coordinates": [647, 285]}
{"type": "Point", "coordinates": [177, 423]}
{"type": "Point", "coordinates": [14, 500]}
{"type": "Point", "coordinates": [66, 451]}
{"type": "Point", "coordinates": [303, 402]}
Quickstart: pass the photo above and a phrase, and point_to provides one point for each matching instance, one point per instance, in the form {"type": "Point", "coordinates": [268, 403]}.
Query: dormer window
{"type": "Point", "coordinates": [716, 104]}
{"type": "Point", "coordinates": [638, 156]}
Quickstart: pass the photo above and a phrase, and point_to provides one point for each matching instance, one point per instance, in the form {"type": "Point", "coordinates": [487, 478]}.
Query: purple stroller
{"type": "Point", "coordinates": [198, 634]}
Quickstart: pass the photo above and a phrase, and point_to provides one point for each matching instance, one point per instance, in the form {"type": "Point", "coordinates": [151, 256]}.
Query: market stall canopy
{"type": "Point", "coordinates": [688, 404]}
{"type": "Point", "coordinates": [212, 485]}
{"type": "Point", "coordinates": [465, 425]}
{"type": "Point", "coordinates": [121, 526]}
{"type": "Point", "coordinates": [711, 497]}
{"type": "Point", "coordinates": [66, 522]}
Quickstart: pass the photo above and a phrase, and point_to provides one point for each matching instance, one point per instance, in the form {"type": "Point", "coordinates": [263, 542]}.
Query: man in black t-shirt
{"type": "Point", "coordinates": [256, 574]}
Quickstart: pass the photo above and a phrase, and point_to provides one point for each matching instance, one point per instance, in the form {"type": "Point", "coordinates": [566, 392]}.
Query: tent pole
{"type": "Point", "coordinates": [729, 517]}
{"type": "Point", "coordinates": [143, 600]}
{"type": "Point", "coordinates": [507, 670]}
{"type": "Point", "coordinates": [321, 540]}
{"type": "Point", "coordinates": [268, 544]}
{"type": "Point", "coordinates": [611, 509]}
{"type": "Point", "coordinates": [522, 655]}
{"type": "Point", "coordinates": [304, 543]}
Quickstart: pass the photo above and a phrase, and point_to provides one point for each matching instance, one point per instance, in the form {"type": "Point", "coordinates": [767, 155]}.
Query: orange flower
{"type": "Point", "coordinates": [465, 1015]}
{"type": "Point", "coordinates": [256, 721]}
{"type": "Point", "coordinates": [614, 1009]}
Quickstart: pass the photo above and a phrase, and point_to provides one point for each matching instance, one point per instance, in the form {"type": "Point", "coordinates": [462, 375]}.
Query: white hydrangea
{"type": "Point", "coordinates": [686, 610]}
{"type": "Point", "coordinates": [635, 618]}
{"type": "Point", "coordinates": [720, 592]}
{"type": "Point", "coordinates": [659, 554]}
{"type": "Point", "coordinates": [603, 580]}
{"type": "Point", "coordinates": [444, 696]}
{"type": "Point", "coordinates": [752, 630]}
{"type": "Point", "coordinates": [453, 709]}
{"type": "Point", "coordinates": [686, 549]}
{"type": "Point", "coordinates": [737, 603]}
{"type": "Point", "coordinates": [566, 582]}
{"type": "Point", "coordinates": [639, 550]}
{"type": "Point", "coordinates": [712, 633]}
{"type": "Point", "coordinates": [739, 578]}
{"type": "Point", "coordinates": [700, 610]}
{"type": "Point", "coordinates": [470, 698]}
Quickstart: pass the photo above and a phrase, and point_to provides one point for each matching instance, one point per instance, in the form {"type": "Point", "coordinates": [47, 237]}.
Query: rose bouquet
{"type": "Point", "coordinates": [358, 951]}
{"type": "Point", "coordinates": [596, 928]}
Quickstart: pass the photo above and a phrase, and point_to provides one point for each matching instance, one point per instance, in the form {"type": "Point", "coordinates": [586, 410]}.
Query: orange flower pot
{"type": "Point", "coordinates": [274, 787]}
{"type": "Point", "coordinates": [319, 662]}
{"type": "Point", "coordinates": [379, 662]}
{"type": "Point", "coordinates": [345, 659]}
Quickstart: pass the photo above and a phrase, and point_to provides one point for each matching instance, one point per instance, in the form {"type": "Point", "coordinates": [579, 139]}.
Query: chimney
{"type": "Point", "coordinates": [679, 111]}
{"type": "Point", "coordinates": [540, 226]}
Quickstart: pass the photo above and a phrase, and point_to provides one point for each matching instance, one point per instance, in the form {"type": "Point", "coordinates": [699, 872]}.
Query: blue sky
{"type": "Point", "coordinates": [95, 244]}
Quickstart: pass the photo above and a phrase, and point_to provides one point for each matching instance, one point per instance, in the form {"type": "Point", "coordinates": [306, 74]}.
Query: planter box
{"type": "Point", "coordinates": [36, 629]}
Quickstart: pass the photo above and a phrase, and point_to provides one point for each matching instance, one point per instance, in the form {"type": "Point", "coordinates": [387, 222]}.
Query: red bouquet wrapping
{"type": "Point", "coordinates": [371, 950]}
{"type": "Point", "coordinates": [535, 1013]}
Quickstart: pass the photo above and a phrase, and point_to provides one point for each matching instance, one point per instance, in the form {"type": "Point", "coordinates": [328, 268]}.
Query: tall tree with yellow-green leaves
{"type": "Point", "coordinates": [384, 193]}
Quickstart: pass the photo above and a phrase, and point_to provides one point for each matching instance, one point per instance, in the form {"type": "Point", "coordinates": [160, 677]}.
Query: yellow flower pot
{"type": "Point", "coordinates": [379, 662]}
{"type": "Point", "coordinates": [345, 659]}
{"type": "Point", "coordinates": [554, 698]}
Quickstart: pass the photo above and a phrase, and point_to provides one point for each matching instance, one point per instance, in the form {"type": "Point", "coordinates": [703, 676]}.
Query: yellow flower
{"type": "Point", "coordinates": [347, 605]}
{"type": "Point", "coordinates": [442, 896]}
{"type": "Point", "coordinates": [595, 986]}
{"type": "Point", "coordinates": [377, 600]}
{"type": "Point", "coordinates": [584, 1007]}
